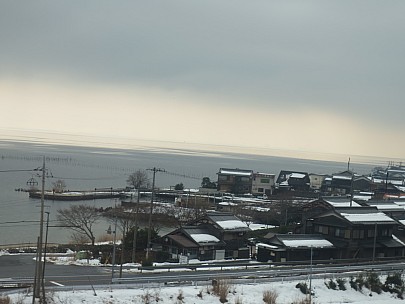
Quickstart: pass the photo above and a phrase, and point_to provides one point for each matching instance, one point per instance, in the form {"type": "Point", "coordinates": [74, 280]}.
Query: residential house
{"type": "Point", "coordinates": [290, 180]}
{"type": "Point", "coordinates": [263, 184]}
{"type": "Point", "coordinates": [216, 235]}
{"type": "Point", "coordinates": [362, 232]}
{"type": "Point", "coordinates": [193, 242]}
{"type": "Point", "coordinates": [235, 181]}
{"type": "Point", "coordinates": [295, 247]}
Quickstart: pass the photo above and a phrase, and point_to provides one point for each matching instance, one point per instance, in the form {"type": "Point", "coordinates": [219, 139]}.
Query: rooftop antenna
{"type": "Point", "coordinates": [348, 165]}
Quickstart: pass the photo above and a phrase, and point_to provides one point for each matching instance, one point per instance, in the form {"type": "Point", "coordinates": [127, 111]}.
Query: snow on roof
{"type": "Point", "coordinates": [341, 177]}
{"type": "Point", "coordinates": [315, 243]}
{"type": "Point", "coordinates": [227, 204]}
{"type": "Point", "coordinates": [362, 197]}
{"type": "Point", "coordinates": [367, 217]}
{"type": "Point", "coordinates": [386, 206]}
{"type": "Point", "coordinates": [398, 240]}
{"type": "Point", "coordinates": [260, 226]}
{"type": "Point", "coordinates": [263, 245]}
{"type": "Point", "coordinates": [297, 175]}
{"type": "Point", "coordinates": [232, 224]}
{"type": "Point", "coordinates": [342, 203]}
{"type": "Point", "coordinates": [235, 172]}
{"type": "Point", "coordinates": [204, 238]}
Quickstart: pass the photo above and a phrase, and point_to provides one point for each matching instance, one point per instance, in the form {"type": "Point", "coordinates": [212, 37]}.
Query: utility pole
{"type": "Point", "coordinates": [39, 272]}
{"type": "Point", "coordinates": [136, 227]}
{"type": "Point", "coordinates": [151, 208]}
{"type": "Point", "coordinates": [310, 280]}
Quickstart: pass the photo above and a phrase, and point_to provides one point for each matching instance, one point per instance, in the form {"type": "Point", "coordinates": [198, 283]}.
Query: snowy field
{"type": "Point", "coordinates": [238, 294]}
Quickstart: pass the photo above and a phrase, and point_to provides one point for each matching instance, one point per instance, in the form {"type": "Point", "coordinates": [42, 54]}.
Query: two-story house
{"type": "Point", "coordinates": [235, 181]}
{"type": "Point", "coordinates": [216, 235]}
{"type": "Point", "coordinates": [362, 232]}
{"type": "Point", "coordinates": [263, 184]}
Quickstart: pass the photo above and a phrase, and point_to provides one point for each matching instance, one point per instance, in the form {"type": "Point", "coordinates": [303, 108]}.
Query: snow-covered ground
{"type": "Point", "coordinates": [241, 294]}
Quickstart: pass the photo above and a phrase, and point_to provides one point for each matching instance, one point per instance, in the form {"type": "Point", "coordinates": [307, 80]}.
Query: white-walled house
{"type": "Point", "coordinates": [263, 183]}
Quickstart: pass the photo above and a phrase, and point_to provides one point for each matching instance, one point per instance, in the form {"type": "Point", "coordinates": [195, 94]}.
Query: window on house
{"type": "Point", "coordinates": [339, 232]}
{"type": "Point", "coordinates": [261, 190]}
{"type": "Point", "coordinates": [323, 229]}
{"type": "Point", "coordinates": [370, 233]}
{"type": "Point", "coordinates": [347, 234]}
{"type": "Point", "coordinates": [265, 181]}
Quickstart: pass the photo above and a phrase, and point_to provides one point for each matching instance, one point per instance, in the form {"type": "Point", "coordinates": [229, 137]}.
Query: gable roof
{"type": "Point", "coordinates": [227, 221]}
{"type": "Point", "coordinates": [385, 205]}
{"type": "Point", "coordinates": [301, 241]}
{"type": "Point", "coordinates": [364, 215]}
{"type": "Point", "coordinates": [194, 237]}
{"type": "Point", "coordinates": [340, 201]}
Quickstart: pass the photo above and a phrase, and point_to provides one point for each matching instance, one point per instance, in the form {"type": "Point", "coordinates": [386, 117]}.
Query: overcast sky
{"type": "Point", "coordinates": [316, 76]}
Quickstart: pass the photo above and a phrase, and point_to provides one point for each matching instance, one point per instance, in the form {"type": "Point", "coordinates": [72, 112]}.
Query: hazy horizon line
{"type": "Point", "coordinates": [48, 138]}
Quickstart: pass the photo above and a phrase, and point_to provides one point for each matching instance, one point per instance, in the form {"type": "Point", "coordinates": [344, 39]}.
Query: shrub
{"type": "Point", "coordinates": [360, 282]}
{"type": "Point", "coordinates": [341, 283]}
{"type": "Point", "coordinates": [303, 287]}
{"type": "Point", "coordinates": [353, 283]}
{"type": "Point", "coordinates": [394, 284]}
{"type": "Point", "coordinates": [331, 284]}
{"type": "Point", "coordinates": [270, 296]}
{"type": "Point", "coordinates": [373, 282]}
{"type": "Point", "coordinates": [394, 280]}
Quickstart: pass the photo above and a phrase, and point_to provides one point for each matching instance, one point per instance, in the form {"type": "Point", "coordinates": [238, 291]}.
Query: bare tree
{"type": "Point", "coordinates": [80, 219]}
{"type": "Point", "coordinates": [138, 179]}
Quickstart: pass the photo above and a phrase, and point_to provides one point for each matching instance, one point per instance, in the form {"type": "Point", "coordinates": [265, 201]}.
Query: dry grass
{"type": "Point", "coordinates": [270, 296]}
{"type": "Point", "coordinates": [105, 238]}
{"type": "Point", "coordinates": [221, 289]}
{"type": "Point", "coordinates": [5, 300]}
{"type": "Point", "coordinates": [301, 301]}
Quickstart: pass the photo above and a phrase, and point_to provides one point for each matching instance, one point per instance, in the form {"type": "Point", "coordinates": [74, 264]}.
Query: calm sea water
{"type": "Point", "coordinates": [90, 168]}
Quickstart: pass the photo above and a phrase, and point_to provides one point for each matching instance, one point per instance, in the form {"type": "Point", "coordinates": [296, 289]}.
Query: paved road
{"type": "Point", "coordinates": [22, 266]}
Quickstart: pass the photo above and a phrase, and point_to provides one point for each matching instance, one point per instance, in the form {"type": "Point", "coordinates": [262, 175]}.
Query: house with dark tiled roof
{"type": "Point", "coordinates": [362, 232]}
{"type": "Point", "coordinates": [291, 180]}
{"type": "Point", "coordinates": [217, 235]}
{"type": "Point", "coordinates": [194, 242]}
{"type": "Point", "coordinates": [237, 181]}
{"type": "Point", "coordinates": [295, 247]}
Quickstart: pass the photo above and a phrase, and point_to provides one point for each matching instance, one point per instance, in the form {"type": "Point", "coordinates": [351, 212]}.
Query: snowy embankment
{"type": "Point", "coordinates": [241, 294]}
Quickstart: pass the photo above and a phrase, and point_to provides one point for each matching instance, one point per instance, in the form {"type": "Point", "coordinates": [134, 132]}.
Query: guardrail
{"type": "Point", "coordinates": [11, 283]}
{"type": "Point", "coordinates": [253, 264]}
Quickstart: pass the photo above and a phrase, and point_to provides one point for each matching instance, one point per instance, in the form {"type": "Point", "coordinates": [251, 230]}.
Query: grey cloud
{"type": "Point", "coordinates": [337, 55]}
